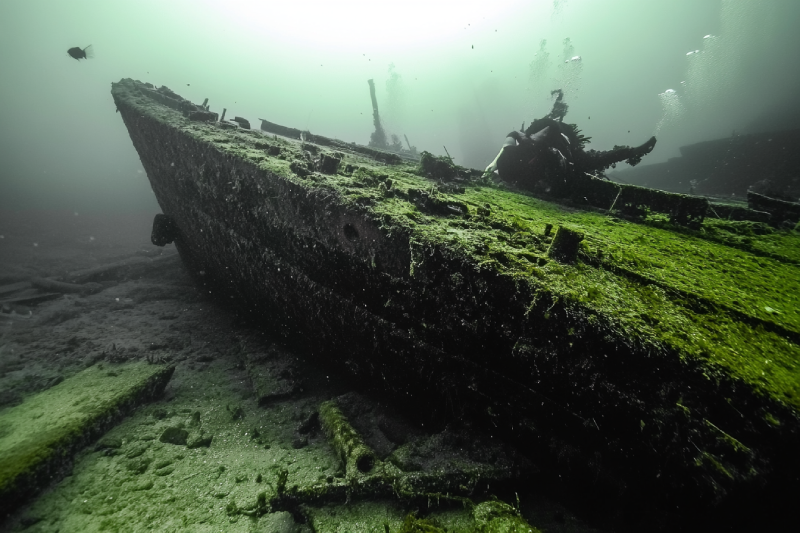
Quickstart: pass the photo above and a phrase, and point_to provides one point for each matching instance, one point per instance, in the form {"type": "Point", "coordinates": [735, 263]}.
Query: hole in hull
{"type": "Point", "coordinates": [350, 232]}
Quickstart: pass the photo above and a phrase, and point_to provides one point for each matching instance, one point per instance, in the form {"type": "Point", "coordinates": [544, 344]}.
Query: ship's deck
{"type": "Point", "coordinates": [670, 352]}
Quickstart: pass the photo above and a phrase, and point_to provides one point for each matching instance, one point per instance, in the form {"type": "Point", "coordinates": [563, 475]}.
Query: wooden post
{"type": "Point", "coordinates": [448, 153]}
{"type": "Point", "coordinates": [564, 247]}
{"type": "Point", "coordinates": [378, 137]}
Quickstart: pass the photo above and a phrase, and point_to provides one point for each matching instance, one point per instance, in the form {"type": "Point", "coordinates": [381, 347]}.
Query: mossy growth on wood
{"type": "Point", "coordinates": [564, 247]}
{"type": "Point", "coordinates": [40, 436]}
{"type": "Point", "coordinates": [357, 458]}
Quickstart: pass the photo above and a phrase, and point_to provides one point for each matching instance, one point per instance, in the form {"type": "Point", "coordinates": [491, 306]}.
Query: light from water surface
{"type": "Point", "coordinates": [459, 74]}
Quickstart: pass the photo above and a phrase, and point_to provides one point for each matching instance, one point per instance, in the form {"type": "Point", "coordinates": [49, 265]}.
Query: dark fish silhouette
{"type": "Point", "coordinates": [79, 54]}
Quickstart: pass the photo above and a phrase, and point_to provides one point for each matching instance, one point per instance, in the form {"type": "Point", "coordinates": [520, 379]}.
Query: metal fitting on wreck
{"type": "Point", "coordinates": [357, 458]}
{"type": "Point", "coordinates": [165, 231]}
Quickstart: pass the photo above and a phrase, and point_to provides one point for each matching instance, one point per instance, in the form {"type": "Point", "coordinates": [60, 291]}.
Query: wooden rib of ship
{"type": "Point", "coordinates": [653, 369]}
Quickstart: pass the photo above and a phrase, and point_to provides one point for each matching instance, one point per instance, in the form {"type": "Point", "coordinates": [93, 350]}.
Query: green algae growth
{"type": "Point", "coordinates": [410, 280]}
{"type": "Point", "coordinates": [42, 434]}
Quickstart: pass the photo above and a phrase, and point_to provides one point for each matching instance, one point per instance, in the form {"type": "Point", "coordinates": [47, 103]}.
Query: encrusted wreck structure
{"type": "Point", "coordinates": [766, 162]}
{"type": "Point", "coordinates": [642, 349]}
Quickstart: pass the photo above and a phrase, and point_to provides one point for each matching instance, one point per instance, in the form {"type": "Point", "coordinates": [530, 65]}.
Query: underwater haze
{"type": "Point", "coordinates": [306, 336]}
{"type": "Point", "coordinates": [448, 74]}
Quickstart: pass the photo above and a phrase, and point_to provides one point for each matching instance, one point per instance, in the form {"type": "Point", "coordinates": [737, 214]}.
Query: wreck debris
{"type": "Point", "coordinates": [60, 286]}
{"type": "Point", "coordinates": [378, 137]}
{"type": "Point", "coordinates": [14, 287]}
{"type": "Point", "coordinates": [437, 167]}
{"type": "Point", "coordinates": [202, 116]}
{"type": "Point", "coordinates": [737, 212]}
{"type": "Point", "coordinates": [169, 98]}
{"type": "Point", "coordinates": [495, 516]}
{"type": "Point", "coordinates": [448, 153]}
{"type": "Point", "coordinates": [165, 231]}
{"type": "Point", "coordinates": [728, 167]}
{"type": "Point", "coordinates": [779, 210]}
{"type": "Point", "coordinates": [358, 459]}
{"type": "Point", "coordinates": [308, 137]}
{"type": "Point", "coordinates": [83, 282]}
{"type": "Point", "coordinates": [51, 427]}
{"type": "Point", "coordinates": [18, 296]}
{"type": "Point", "coordinates": [328, 164]}
{"type": "Point", "coordinates": [564, 247]}
{"type": "Point", "coordinates": [277, 129]}
{"type": "Point", "coordinates": [11, 312]}
{"type": "Point", "coordinates": [637, 202]}
{"type": "Point", "coordinates": [242, 122]}
{"type": "Point", "coordinates": [132, 266]}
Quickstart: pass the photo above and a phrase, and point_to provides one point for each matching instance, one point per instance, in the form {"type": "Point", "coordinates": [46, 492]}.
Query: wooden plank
{"type": "Point", "coordinates": [14, 287]}
{"type": "Point", "coordinates": [67, 288]}
{"type": "Point", "coordinates": [131, 267]}
{"type": "Point", "coordinates": [39, 438]}
{"type": "Point", "coordinates": [31, 299]}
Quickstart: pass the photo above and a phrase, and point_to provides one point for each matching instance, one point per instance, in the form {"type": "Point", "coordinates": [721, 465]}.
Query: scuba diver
{"type": "Point", "coordinates": [549, 156]}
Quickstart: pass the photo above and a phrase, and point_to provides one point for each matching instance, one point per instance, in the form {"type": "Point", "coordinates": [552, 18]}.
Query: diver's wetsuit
{"type": "Point", "coordinates": [549, 157]}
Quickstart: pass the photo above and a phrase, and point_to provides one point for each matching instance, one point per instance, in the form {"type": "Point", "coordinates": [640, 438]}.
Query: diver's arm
{"type": "Point", "coordinates": [511, 140]}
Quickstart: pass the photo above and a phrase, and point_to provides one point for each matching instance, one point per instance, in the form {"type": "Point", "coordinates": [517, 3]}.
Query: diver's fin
{"type": "Point", "coordinates": [647, 147]}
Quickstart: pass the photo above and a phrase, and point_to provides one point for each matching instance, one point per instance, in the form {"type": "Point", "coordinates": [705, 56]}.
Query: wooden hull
{"type": "Point", "coordinates": [612, 370]}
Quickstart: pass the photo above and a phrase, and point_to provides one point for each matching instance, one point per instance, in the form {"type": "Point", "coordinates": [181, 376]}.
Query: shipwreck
{"type": "Point", "coordinates": [641, 347]}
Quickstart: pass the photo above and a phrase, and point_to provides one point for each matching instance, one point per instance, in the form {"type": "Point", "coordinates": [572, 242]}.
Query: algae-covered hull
{"type": "Point", "coordinates": [656, 370]}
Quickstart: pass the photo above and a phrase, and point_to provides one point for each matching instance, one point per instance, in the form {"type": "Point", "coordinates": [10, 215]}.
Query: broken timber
{"type": "Point", "coordinates": [39, 437]}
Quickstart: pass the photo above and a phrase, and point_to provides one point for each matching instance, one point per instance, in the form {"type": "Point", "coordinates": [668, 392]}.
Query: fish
{"type": "Point", "coordinates": [78, 53]}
